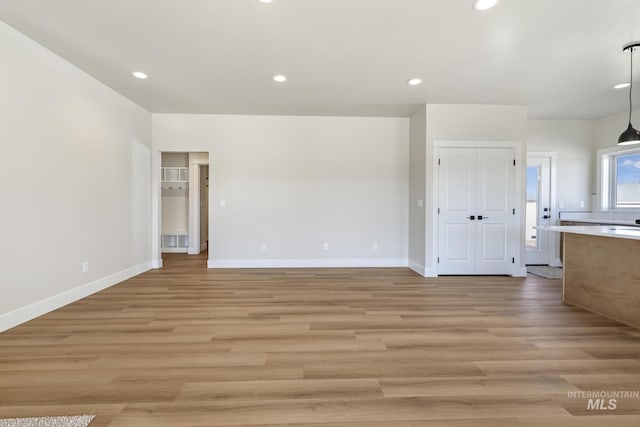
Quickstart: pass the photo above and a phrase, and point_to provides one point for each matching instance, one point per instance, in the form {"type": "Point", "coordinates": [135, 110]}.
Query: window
{"type": "Point", "coordinates": [627, 181]}
{"type": "Point", "coordinates": [620, 172]}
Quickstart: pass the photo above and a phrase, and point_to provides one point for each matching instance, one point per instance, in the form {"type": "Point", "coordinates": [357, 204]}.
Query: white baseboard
{"type": "Point", "coordinates": [156, 263]}
{"type": "Point", "coordinates": [29, 312]}
{"type": "Point", "coordinates": [555, 262]}
{"type": "Point", "coordinates": [431, 272]}
{"type": "Point", "coordinates": [193, 251]}
{"type": "Point", "coordinates": [417, 268]}
{"type": "Point", "coordinates": [306, 263]}
{"type": "Point", "coordinates": [519, 272]}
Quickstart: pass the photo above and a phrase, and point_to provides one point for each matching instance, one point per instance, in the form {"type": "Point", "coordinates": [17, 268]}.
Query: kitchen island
{"type": "Point", "coordinates": [602, 270]}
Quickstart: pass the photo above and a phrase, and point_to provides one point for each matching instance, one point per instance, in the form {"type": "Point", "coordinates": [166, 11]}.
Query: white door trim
{"type": "Point", "coordinates": [156, 208]}
{"type": "Point", "coordinates": [554, 238]}
{"type": "Point", "coordinates": [156, 199]}
{"type": "Point", "coordinates": [517, 237]}
{"type": "Point", "coordinates": [195, 161]}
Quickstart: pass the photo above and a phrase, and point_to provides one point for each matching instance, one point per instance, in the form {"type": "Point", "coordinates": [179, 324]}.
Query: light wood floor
{"type": "Point", "coordinates": [187, 346]}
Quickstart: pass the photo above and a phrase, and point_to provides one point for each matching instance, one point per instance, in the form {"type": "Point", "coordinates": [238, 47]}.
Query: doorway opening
{"type": "Point", "coordinates": [184, 203]}
{"type": "Point", "coordinates": [539, 244]}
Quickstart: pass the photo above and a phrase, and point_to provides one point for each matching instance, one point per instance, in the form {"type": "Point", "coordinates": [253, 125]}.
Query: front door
{"type": "Point", "coordinates": [538, 210]}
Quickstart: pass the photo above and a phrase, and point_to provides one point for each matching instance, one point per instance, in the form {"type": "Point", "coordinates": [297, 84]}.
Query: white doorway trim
{"type": "Point", "coordinates": [554, 238]}
{"type": "Point", "coordinates": [156, 200]}
{"type": "Point", "coordinates": [156, 208]}
{"type": "Point", "coordinates": [195, 161]}
{"type": "Point", "coordinates": [517, 243]}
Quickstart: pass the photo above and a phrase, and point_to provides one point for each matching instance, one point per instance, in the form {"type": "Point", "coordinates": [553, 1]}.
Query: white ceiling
{"type": "Point", "coordinates": [344, 57]}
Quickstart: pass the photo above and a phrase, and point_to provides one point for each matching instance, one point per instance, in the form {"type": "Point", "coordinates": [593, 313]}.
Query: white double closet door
{"type": "Point", "coordinates": [476, 210]}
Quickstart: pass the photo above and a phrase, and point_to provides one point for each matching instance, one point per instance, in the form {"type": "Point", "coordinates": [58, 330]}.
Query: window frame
{"type": "Point", "coordinates": [607, 174]}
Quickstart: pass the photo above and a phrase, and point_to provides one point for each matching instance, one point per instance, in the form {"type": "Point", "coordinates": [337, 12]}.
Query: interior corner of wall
{"type": "Point", "coordinates": [417, 267]}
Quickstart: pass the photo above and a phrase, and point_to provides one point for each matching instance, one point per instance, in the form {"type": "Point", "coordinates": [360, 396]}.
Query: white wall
{"type": "Point", "coordinates": [572, 142]}
{"type": "Point", "coordinates": [75, 168]}
{"type": "Point", "coordinates": [417, 189]}
{"type": "Point", "coordinates": [493, 123]}
{"type": "Point", "coordinates": [295, 183]}
{"type": "Point", "coordinates": [177, 160]}
{"type": "Point", "coordinates": [175, 211]}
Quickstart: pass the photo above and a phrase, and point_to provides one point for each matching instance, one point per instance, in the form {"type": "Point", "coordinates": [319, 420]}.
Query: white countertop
{"type": "Point", "coordinates": [616, 231]}
{"type": "Point", "coordinates": [604, 217]}
{"type": "Point", "coordinates": [603, 221]}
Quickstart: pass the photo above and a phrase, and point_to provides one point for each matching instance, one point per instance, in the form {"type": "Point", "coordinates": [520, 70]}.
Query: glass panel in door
{"type": "Point", "coordinates": [533, 195]}
{"type": "Point", "coordinates": [538, 210]}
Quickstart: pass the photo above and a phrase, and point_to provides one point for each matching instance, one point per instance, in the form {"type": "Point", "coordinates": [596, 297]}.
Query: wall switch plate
{"type": "Point", "coordinates": [263, 247]}
{"type": "Point", "coordinates": [85, 266]}
{"type": "Point", "coordinates": [374, 246]}
{"type": "Point", "coordinates": [421, 203]}
{"type": "Point", "coordinates": [560, 204]}
{"type": "Point", "coordinates": [326, 246]}
{"type": "Point", "coordinates": [582, 203]}
{"type": "Point", "coordinates": [223, 203]}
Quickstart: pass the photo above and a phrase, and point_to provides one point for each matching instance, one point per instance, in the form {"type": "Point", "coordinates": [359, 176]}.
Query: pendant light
{"type": "Point", "coordinates": [631, 135]}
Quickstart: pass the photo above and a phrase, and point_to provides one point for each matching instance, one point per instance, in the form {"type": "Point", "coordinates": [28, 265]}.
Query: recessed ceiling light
{"type": "Point", "coordinates": [622, 85]}
{"type": "Point", "coordinates": [415, 82]}
{"type": "Point", "coordinates": [139, 75]}
{"type": "Point", "coordinates": [280, 78]}
{"type": "Point", "coordinates": [266, 1]}
{"type": "Point", "coordinates": [484, 4]}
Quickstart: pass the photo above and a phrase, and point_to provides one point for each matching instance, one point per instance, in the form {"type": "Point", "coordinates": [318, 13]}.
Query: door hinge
{"type": "Point", "coordinates": [438, 260]}
{"type": "Point", "coordinates": [438, 162]}
{"type": "Point", "coordinates": [438, 211]}
{"type": "Point", "coordinates": [514, 211]}
{"type": "Point", "coordinates": [514, 162]}
{"type": "Point", "coordinates": [513, 260]}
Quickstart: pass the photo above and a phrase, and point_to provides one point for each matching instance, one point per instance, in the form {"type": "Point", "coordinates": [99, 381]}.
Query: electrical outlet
{"type": "Point", "coordinates": [263, 247]}
{"type": "Point", "coordinates": [85, 266]}
{"type": "Point", "coordinates": [326, 246]}
{"type": "Point", "coordinates": [560, 204]}
{"type": "Point", "coordinates": [223, 203]}
{"type": "Point", "coordinates": [582, 203]}
{"type": "Point", "coordinates": [374, 246]}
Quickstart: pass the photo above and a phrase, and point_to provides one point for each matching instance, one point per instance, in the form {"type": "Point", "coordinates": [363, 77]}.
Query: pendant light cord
{"type": "Point", "coordinates": [631, 85]}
